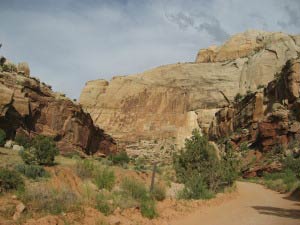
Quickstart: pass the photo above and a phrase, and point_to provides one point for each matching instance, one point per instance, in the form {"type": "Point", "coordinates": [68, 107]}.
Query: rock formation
{"type": "Point", "coordinates": [168, 102]}
{"type": "Point", "coordinates": [31, 107]}
{"type": "Point", "coordinates": [270, 115]}
{"type": "Point", "coordinates": [267, 120]}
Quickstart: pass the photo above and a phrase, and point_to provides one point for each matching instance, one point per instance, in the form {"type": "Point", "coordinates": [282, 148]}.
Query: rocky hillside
{"type": "Point", "coordinates": [168, 102]}
{"type": "Point", "coordinates": [30, 107]}
{"type": "Point", "coordinates": [267, 120]}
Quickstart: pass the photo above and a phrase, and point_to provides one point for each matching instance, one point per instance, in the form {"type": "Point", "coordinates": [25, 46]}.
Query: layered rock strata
{"type": "Point", "coordinates": [31, 107]}
{"type": "Point", "coordinates": [269, 116]}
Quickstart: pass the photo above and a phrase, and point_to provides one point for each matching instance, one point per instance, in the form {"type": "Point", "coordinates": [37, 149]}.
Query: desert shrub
{"type": "Point", "coordinates": [120, 158]}
{"type": "Point", "coordinates": [148, 208]}
{"type": "Point", "coordinates": [10, 180]}
{"type": "Point", "coordinates": [138, 191]}
{"type": "Point", "coordinates": [42, 151]}
{"type": "Point", "coordinates": [281, 181]}
{"type": "Point", "coordinates": [2, 137]}
{"type": "Point", "coordinates": [105, 178]}
{"type": "Point", "coordinates": [123, 201]}
{"type": "Point", "coordinates": [292, 164]}
{"type": "Point", "coordinates": [140, 164]}
{"type": "Point", "coordinates": [84, 168]}
{"type": "Point", "coordinates": [42, 197]}
{"type": "Point", "coordinates": [230, 166]}
{"type": "Point", "coordinates": [195, 188]}
{"type": "Point", "coordinates": [23, 140]}
{"type": "Point", "coordinates": [238, 97]}
{"type": "Point", "coordinates": [103, 205]}
{"type": "Point", "coordinates": [31, 171]}
{"type": "Point", "coordinates": [158, 192]}
{"type": "Point", "coordinates": [198, 159]}
{"type": "Point", "coordinates": [244, 147]}
{"type": "Point", "coordinates": [134, 188]}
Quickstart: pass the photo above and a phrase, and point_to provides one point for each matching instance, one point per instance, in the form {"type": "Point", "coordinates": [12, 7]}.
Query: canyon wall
{"type": "Point", "coordinates": [144, 110]}
{"type": "Point", "coordinates": [30, 107]}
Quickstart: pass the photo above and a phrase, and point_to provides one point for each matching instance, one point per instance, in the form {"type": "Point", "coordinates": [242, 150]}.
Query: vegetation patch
{"type": "Point", "coordinates": [31, 171]}
{"type": "Point", "coordinates": [42, 197]}
{"type": "Point", "coordinates": [120, 158]}
{"type": "Point", "coordinates": [105, 178]}
{"type": "Point", "coordinates": [199, 168]}
{"type": "Point", "coordinates": [159, 192]}
{"type": "Point", "coordinates": [10, 180]}
{"type": "Point", "coordinates": [42, 151]}
{"type": "Point", "coordinates": [85, 168]}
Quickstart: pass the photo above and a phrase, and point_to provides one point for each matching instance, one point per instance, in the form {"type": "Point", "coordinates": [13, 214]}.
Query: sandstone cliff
{"type": "Point", "coordinates": [168, 102]}
{"type": "Point", "coordinates": [31, 107]}
{"type": "Point", "coordinates": [269, 116]}
{"type": "Point", "coordinates": [267, 120]}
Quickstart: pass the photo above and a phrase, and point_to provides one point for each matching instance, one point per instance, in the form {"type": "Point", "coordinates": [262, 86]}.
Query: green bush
{"type": "Point", "coordinates": [42, 151]}
{"type": "Point", "coordinates": [292, 164]}
{"type": "Point", "coordinates": [138, 191]}
{"type": "Point", "coordinates": [23, 140]}
{"type": "Point", "coordinates": [281, 181]}
{"type": "Point", "coordinates": [10, 180]}
{"type": "Point", "coordinates": [158, 192]}
{"type": "Point", "coordinates": [84, 168]}
{"type": "Point", "coordinates": [134, 188]}
{"type": "Point", "coordinates": [105, 178]}
{"type": "Point", "coordinates": [120, 158]}
{"type": "Point", "coordinates": [2, 137]}
{"type": "Point", "coordinates": [148, 208]}
{"type": "Point", "coordinates": [230, 166]}
{"type": "Point", "coordinates": [195, 188]}
{"type": "Point", "coordinates": [31, 171]}
{"type": "Point", "coordinates": [103, 205]}
{"type": "Point", "coordinates": [199, 159]}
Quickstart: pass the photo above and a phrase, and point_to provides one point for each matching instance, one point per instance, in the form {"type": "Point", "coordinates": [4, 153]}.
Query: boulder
{"type": "Point", "coordinates": [8, 144]}
{"type": "Point", "coordinates": [17, 148]}
{"type": "Point", "coordinates": [19, 210]}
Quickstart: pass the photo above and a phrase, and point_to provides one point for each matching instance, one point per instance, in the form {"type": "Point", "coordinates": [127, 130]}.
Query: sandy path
{"type": "Point", "coordinates": [255, 205]}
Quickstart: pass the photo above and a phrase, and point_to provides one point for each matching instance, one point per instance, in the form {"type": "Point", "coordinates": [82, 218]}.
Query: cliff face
{"type": "Point", "coordinates": [31, 107]}
{"type": "Point", "coordinates": [168, 102]}
{"type": "Point", "coordinates": [269, 116]}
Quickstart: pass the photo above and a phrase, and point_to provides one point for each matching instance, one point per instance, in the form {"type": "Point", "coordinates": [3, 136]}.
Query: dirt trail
{"type": "Point", "coordinates": [255, 205]}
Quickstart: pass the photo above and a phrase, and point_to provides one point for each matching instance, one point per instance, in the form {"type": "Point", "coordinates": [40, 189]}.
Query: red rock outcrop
{"type": "Point", "coordinates": [269, 116]}
{"type": "Point", "coordinates": [31, 107]}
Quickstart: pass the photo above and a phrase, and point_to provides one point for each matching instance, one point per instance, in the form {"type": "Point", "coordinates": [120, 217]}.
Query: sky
{"type": "Point", "coordinates": [68, 42]}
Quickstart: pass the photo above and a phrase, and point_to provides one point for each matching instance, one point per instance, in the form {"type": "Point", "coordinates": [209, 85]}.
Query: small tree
{"type": "Point", "coordinates": [198, 165]}
{"type": "Point", "coordinates": [198, 157]}
{"type": "Point", "coordinates": [2, 137]}
{"type": "Point", "coordinates": [42, 151]}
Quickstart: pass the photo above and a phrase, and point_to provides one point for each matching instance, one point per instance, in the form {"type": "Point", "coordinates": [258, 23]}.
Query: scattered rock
{"type": "Point", "coordinates": [19, 210]}
{"type": "Point", "coordinates": [17, 148]}
{"type": "Point", "coordinates": [8, 144]}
